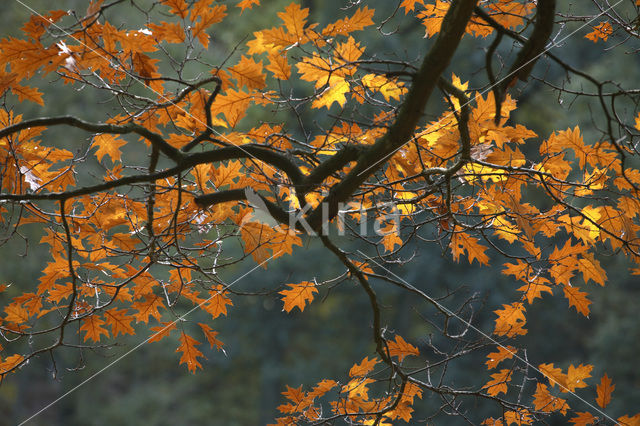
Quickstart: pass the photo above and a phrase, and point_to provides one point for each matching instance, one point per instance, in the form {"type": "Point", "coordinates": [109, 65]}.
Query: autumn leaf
{"type": "Point", "coordinates": [504, 352]}
{"type": "Point", "coordinates": [119, 321]}
{"type": "Point", "coordinates": [364, 368]}
{"type": "Point", "coordinates": [108, 145]}
{"type": "Point", "coordinates": [247, 4]}
{"type": "Point", "coordinates": [10, 362]}
{"type": "Point", "coordinates": [498, 382]}
{"type": "Point", "coordinates": [401, 349]}
{"type": "Point", "coordinates": [410, 5]}
{"type": "Point", "coordinates": [334, 92]}
{"type": "Point", "coordinates": [298, 295]}
{"type": "Point", "coordinates": [279, 66]}
{"type": "Point", "coordinates": [545, 402]}
{"type": "Point", "coordinates": [461, 242]}
{"type": "Point", "coordinates": [169, 32]}
{"type": "Point", "coordinates": [190, 353]}
{"type": "Point", "coordinates": [177, 7]}
{"type": "Point", "coordinates": [27, 93]}
{"type": "Point", "coordinates": [161, 331]}
{"type": "Point", "coordinates": [576, 376]}
{"type": "Point", "coordinates": [577, 299]}
{"type": "Point", "coordinates": [583, 419]}
{"type": "Point", "coordinates": [554, 375]}
{"type": "Point", "coordinates": [146, 307]}
{"type": "Point", "coordinates": [211, 336]}
{"type": "Point", "coordinates": [208, 17]}
{"type": "Point", "coordinates": [604, 390]}
{"type": "Point", "coordinates": [602, 31]}
{"type": "Point", "coordinates": [217, 302]}
{"type": "Point", "coordinates": [93, 327]}
{"type": "Point", "coordinates": [511, 320]}
{"type": "Point", "coordinates": [248, 73]}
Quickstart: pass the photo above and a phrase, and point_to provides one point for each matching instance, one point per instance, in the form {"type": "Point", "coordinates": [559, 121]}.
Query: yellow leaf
{"type": "Point", "coordinates": [333, 93]}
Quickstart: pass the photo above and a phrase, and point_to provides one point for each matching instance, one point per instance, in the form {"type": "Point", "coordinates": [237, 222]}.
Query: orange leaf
{"type": "Point", "coordinates": [217, 302]}
{"type": "Point", "coordinates": [461, 242]}
{"type": "Point", "coordinates": [503, 353]}
{"type": "Point", "coordinates": [178, 7]}
{"type": "Point", "coordinates": [161, 331]}
{"type": "Point", "coordinates": [601, 31]}
{"type": "Point", "coordinates": [400, 348]}
{"type": "Point", "coordinates": [93, 326]}
{"type": "Point", "coordinates": [357, 22]}
{"type": "Point", "coordinates": [604, 390]}
{"type": "Point", "coordinates": [279, 66]}
{"type": "Point", "coordinates": [298, 295]}
{"type": "Point", "coordinates": [498, 382]}
{"type": "Point", "coordinates": [576, 376]}
{"type": "Point", "coordinates": [147, 307]}
{"type": "Point", "coordinates": [577, 299]}
{"type": "Point", "coordinates": [211, 336]}
{"type": "Point", "coordinates": [362, 369]}
{"type": "Point", "coordinates": [10, 362]}
{"type": "Point", "coordinates": [211, 15]}
{"type": "Point", "coordinates": [544, 401]}
{"type": "Point", "coordinates": [554, 375]}
{"type": "Point", "coordinates": [108, 145]}
{"type": "Point", "coordinates": [167, 31]}
{"type": "Point", "coordinates": [410, 5]}
{"type": "Point", "coordinates": [583, 419]}
{"type": "Point", "coordinates": [190, 353]}
{"type": "Point", "coordinates": [511, 320]}
{"type": "Point", "coordinates": [247, 4]}
{"type": "Point", "coordinates": [27, 93]}
{"type": "Point", "coordinates": [248, 73]}
{"type": "Point", "coordinates": [294, 18]}
{"type": "Point", "coordinates": [119, 321]}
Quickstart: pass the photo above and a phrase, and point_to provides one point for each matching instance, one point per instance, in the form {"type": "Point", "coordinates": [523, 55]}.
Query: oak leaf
{"type": "Point", "coordinates": [604, 390]}
{"type": "Point", "coordinates": [93, 326]}
{"type": "Point", "coordinates": [298, 295]}
{"type": "Point", "coordinates": [190, 353]}
{"type": "Point", "coordinates": [401, 349]}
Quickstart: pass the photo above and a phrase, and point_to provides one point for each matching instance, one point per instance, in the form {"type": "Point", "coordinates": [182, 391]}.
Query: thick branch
{"type": "Point", "coordinates": [401, 131]}
{"type": "Point", "coordinates": [119, 129]}
{"type": "Point", "coordinates": [238, 195]}
{"type": "Point", "coordinates": [534, 47]}
{"type": "Point", "coordinates": [258, 152]}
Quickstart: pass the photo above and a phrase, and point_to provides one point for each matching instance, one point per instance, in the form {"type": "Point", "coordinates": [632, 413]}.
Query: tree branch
{"type": "Point", "coordinates": [156, 139]}
{"type": "Point", "coordinates": [400, 132]}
